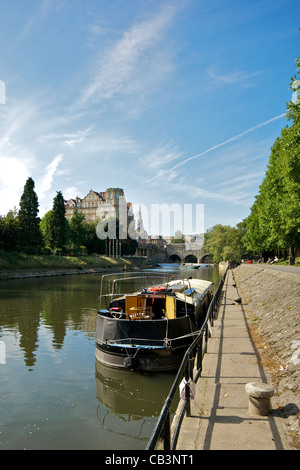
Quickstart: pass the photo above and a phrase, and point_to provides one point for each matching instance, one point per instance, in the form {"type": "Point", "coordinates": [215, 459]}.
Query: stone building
{"type": "Point", "coordinates": [96, 205]}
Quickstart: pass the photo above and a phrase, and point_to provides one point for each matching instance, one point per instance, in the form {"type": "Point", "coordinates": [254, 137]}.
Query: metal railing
{"type": "Point", "coordinates": [148, 275]}
{"type": "Point", "coordinates": [192, 360]}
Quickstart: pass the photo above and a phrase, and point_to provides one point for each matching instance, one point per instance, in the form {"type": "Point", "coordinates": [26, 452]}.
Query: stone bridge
{"type": "Point", "coordinates": [172, 253]}
{"type": "Point", "coordinates": [184, 253]}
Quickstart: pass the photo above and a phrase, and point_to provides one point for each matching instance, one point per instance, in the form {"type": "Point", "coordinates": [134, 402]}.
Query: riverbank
{"type": "Point", "coordinates": [20, 266]}
{"type": "Point", "coordinates": [271, 300]}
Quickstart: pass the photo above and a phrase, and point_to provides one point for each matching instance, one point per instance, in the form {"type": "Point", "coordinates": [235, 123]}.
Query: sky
{"type": "Point", "coordinates": [176, 102]}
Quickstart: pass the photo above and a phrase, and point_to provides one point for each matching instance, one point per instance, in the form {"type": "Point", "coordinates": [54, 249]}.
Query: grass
{"type": "Point", "coordinates": [20, 261]}
{"type": "Point", "coordinates": [285, 262]}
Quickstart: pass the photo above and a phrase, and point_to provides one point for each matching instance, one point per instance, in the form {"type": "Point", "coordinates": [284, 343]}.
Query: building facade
{"type": "Point", "coordinates": [96, 205]}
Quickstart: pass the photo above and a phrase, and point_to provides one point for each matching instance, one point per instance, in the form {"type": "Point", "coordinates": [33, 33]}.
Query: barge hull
{"type": "Point", "coordinates": [140, 359]}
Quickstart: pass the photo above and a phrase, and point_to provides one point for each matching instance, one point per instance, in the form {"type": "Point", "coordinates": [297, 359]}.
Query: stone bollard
{"type": "Point", "coordinates": [259, 398]}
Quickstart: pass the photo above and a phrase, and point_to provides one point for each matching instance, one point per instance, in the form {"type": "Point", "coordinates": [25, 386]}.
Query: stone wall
{"type": "Point", "coordinates": [271, 299]}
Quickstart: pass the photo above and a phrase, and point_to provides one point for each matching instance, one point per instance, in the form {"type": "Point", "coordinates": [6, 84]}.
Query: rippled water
{"type": "Point", "coordinates": [53, 394]}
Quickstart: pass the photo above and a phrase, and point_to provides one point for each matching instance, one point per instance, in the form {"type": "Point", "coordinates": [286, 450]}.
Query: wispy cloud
{"type": "Point", "coordinates": [133, 62]}
{"type": "Point", "coordinates": [160, 156]}
{"type": "Point", "coordinates": [45, 182]}
{"type": "Point", "coordinates": [36, 19]}
{"type": "Point", "coordinates": [22, 154]}
{"type": "Point", "coordinates": [241, 78]}
{"type": "Point", "coordinates": [16, 160]}
{"type": "Point", "coordinates": [13, 175]}
{"type": "Point", "coordinates": [215, 147]}
{"type": "Point", "coordinates": [68, 138]}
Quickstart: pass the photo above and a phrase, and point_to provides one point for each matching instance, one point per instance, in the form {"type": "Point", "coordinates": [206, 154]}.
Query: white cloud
{"type": "Point", "coordinates": [160, 156]}
{"type": "Point", "coordinates": [45, 182]}
{"type": "Point", "coordinates": [16, 160]}
{"type": "Point", "coordinates": [70, 192]}
{"type": "Point", "coordinates": [137, 59]}
{"type": "Point", "coordinates": [36, 20]}
{"type": "Point", "coordinates": [13, 176]}
{"type": "Point", "coordinates": [241, 78]}
{"type": "Point", "coordinates": [24, 153]}
{"type": "Point", "coordinates": [215, 147]}
{"type": "Point", "coordinates": [67, 138]}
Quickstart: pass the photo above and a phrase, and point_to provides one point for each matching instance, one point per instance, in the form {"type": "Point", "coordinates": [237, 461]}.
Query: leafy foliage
{"type": "Point", "coordinates": [224, 243]}
{"type": "Point", "coordinates": [58, 224]}
{"type": "Point", "coordinates": [9, 231]}
{"type": "Point", "coordinates": [77, 231]}
{"type": "Point", "coordinates": [28, 220]}
{"type": "Point", "coordinates": [274, 221]}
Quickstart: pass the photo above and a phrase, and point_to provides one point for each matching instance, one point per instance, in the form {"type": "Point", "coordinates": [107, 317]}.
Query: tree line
{"type": "Point", "coordinates": [24, 231]}
{"type": "Point", "coordinates": [273, 225]}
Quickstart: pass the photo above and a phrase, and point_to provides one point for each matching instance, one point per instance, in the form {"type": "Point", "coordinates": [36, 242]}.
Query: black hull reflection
{"type": "Point", "coordinates": [136, 395]}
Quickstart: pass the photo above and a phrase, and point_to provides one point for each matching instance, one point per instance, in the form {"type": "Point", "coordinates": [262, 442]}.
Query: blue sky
{"type": "Point", "coordinates": [176, 102]}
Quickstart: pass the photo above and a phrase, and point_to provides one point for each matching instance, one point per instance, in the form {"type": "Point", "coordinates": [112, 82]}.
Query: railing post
{"type": "Point", "coordinates": [166, 432]}
{"type": "Point", "coordinates": [188, 375]}
{"type": "Point", "coordinates": [215, 307]}
{"type": "Point", "coordinates": [199, 355]}
{"type": "Point", "coordinates": [205, 340]}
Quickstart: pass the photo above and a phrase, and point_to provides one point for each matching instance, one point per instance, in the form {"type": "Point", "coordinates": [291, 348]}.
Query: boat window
{"type": "Point", "coordinates": [189, 291]}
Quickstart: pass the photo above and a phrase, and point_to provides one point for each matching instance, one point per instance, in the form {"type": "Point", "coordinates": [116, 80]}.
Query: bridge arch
{"type": "Point", "coordinates": [191, 259]}
{"type": "Point", "coordinates": [174, 258]}
{"type": "Point", "coordinates": [204, 258]}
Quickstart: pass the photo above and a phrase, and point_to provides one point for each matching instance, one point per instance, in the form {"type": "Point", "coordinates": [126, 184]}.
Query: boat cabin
{"type": "Point", "coordinates": [171, 300]}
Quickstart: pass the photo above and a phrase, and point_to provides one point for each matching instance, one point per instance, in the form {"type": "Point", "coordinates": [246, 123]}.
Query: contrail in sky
{"type": "Point", "coordinates": [232, 139]}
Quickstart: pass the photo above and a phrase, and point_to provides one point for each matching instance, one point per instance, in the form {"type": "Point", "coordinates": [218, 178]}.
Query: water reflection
{"type": "Point", "coordinates": [136, 395]}
{"type": "Point", "coordinates": [61, 305]}
{"type": "Point", "coordinates": [58, 304]}
{"type": "Point", "coordinates": [136, 399]}
{"type": "Point", "coordinates": [51, 395]}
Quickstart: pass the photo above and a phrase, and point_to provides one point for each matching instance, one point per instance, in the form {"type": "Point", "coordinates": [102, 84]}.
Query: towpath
{"type": "Point", "coordinates": [219, 413]}
{"type": "Point", "coordinates": [279, 267]}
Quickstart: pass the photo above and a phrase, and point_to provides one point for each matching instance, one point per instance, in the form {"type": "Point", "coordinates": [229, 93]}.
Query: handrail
{"type": "Point", "coordinates": [162, 429]}
{"type": "Point", "coordinates": [146, 274]}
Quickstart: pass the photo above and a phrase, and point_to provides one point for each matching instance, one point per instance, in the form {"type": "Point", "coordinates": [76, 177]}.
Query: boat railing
{"type": "Point", "coordinates": [192, 361]}
{"type": "Point", "coordinates": [149, 276]}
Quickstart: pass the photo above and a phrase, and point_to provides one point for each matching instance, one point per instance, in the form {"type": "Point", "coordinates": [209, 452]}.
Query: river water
{"type": "Point", "coordinates": [53, 393]}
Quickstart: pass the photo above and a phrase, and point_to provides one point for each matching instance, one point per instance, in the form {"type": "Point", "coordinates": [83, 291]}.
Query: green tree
{"type": "Point", "coordinates": [9, 231]}
{"type": "Point", "coordinates": [128, 246]}
{"type": "Point", "coordinates": [77, 230]}
{"type": "Point", "coordinates": [45, 228]}
{"type": "Point", "coordinates": [274, 220]}
{"type": "Point", "coordinates": [224, 243]}
{"type": "Point", "coordinates": [93, 243]}
{"type": "Point", "coordinates": [58, 224]}
{"type": "Point", "coordinates": [254, 238]}
{"type": "Point", "coordinates": [29, 222]}
{"type": "Point", "coordinates": [96, 244]}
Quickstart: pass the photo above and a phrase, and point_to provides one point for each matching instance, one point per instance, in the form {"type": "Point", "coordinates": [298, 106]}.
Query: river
{"type": "Point", "coordinates": [53, 393]}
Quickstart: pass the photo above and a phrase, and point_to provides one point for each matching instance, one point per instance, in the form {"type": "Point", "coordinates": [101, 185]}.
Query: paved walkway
{"type": "Point", "coordinates": [279, 267]}
{"type": "Point", "coordinates": [219, 413]}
